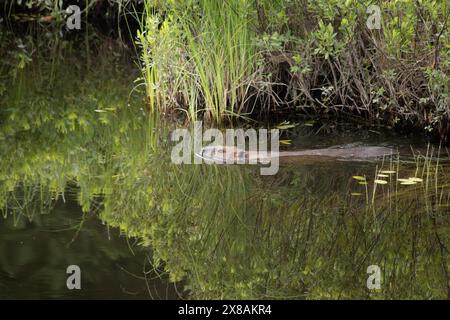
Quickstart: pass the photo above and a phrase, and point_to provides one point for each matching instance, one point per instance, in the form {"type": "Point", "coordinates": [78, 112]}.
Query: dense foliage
{"type": "Point", "coordinates": [229, 58]}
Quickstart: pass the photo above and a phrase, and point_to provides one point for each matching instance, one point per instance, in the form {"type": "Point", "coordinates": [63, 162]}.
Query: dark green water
{"type": "Point", "coordinates": [71, 130]}
{"type": "Point", "coordinates": [36, 253]}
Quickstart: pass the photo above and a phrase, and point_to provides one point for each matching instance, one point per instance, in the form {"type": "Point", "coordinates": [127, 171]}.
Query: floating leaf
{"type": "Point", "coordinates": [286, 125]}
{"type": "Point", "coordinates": [382, 175]}
{"type": "Point", "coordinates": [359, 178]}
{"type": "Point", "coordinates": [408, 182]}
{"type": "Point", "coordinates": [388, 171]}
{"type": "Point", "coordinates": [380, 181]}
{"type": "Point", "coordinates": [356, 194]}
{"type": "Point", "coordinates": [285, 142]}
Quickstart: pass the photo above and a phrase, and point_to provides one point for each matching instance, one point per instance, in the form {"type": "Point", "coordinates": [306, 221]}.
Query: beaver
{"type": "Point", "coordinates": [231, 154]}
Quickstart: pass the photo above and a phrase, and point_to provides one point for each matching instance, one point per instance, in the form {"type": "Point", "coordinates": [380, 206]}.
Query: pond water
{"type": "Point", "coordinates": [35, 254]}
{"type": "Point", "coordinates": [86, 179]}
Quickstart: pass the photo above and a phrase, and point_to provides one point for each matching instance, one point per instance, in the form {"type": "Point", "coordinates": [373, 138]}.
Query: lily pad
{"type": "Point", "coordinates": [408, 183]}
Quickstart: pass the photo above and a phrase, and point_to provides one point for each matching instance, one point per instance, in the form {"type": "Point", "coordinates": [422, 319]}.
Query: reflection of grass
{"type": "Point", "coordinates": [427, 174]}
{"type": "Point", "coordinates": [203, 65]}
{"type": "Point", "coordinates": [237, 237]}
{"type": "Point", "coordinates": [49, 123]}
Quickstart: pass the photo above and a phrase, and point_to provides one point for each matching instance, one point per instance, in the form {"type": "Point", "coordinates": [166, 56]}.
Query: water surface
{"type": "Point", "coordinates": [35, 254]}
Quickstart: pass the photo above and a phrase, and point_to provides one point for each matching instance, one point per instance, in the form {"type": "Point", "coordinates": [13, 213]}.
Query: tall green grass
{"type": "Point", "coordinates": [199, 58]}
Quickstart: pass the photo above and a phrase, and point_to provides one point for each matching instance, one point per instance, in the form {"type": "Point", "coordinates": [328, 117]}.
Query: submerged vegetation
{"type": "Point", "coordinates": [233, 235]}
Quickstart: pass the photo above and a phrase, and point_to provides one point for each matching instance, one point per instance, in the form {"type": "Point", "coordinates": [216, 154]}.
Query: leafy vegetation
{"type": "Point", "coordinates": [234, 58]}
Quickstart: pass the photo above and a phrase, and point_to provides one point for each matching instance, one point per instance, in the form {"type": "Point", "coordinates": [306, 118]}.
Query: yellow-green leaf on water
{"type": "Point", "coordinates": [359, 178]}
{"type": "Point", "coordinates": [415, 179]}
{"type": "Point", "coordinates": [408, 182]}
{"type": "Point", "coordinates": [356, 194]}
{"type": "Point", "coordinates": [403, 180]}
{"type": "Point", "coordinates": [380, 181]}
{"type": "Point", "coordinates": [286, 125]}
{"type": "Point", "coordinates": [388, 171]}
{"type": "Point", "coordinates": [285, 142]}
{"type": "Point", "coordinates": [382, 175]}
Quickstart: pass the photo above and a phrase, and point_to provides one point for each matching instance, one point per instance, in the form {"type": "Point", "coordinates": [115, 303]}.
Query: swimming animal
{"type": "Point", "coordinates": [230, 154]}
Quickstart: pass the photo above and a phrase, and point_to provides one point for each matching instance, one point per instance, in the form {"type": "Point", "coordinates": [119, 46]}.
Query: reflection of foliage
{"type": "Point", "coordinates": [35, 254]}
{"type": "Point", "coordinates": [59, 113]}
{"type": "Point", "coordinates": [59, 123]}
{"type": "Point", "coordinates": [235, 237]}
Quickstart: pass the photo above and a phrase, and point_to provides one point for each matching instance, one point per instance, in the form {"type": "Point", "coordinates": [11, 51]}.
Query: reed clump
{"type": "Point", "coordinates": [240, 58]}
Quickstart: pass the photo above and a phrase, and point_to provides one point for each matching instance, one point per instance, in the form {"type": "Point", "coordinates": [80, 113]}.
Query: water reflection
{"type": "Point", "coordinates": [34, 256]}
{"type": "Point", "coordinates": [225, 231]}
{"type": "Point", "coordinates": [295, 235]}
